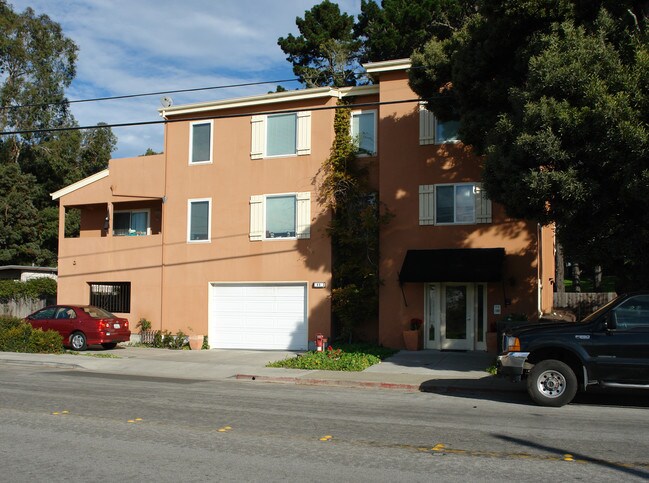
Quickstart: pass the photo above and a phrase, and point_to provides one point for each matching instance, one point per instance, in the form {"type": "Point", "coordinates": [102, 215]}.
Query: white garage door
{"type": "Point", "coordinates": [258, 316]}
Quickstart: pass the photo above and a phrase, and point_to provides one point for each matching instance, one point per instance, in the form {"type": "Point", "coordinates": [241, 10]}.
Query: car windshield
{"type": "Point", "coordinates": [97, 313]}
{"type": "Point", "coordinates": [598, 312]}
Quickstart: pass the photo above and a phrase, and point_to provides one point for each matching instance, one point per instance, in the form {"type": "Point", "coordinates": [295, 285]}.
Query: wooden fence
{"type": "Point", "coordinates": [582, 303]}
{"type": "Point", "coordinates": [21, 308]}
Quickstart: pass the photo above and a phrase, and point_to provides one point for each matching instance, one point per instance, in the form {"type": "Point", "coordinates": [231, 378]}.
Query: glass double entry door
{"type": "Point", "coordinates": [455, 316]}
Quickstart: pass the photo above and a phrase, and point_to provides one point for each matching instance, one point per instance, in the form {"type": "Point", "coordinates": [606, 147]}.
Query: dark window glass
{"type": "Point", "coordinates": [111, 296]}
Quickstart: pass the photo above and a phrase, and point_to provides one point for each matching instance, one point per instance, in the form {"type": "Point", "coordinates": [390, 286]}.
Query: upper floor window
{"type": "Point", "coordinates": [433, 131]}
{"type": "Point", "coordinates": [199, 220]}
{"type": "Point", "coordinates": [131, 223]}
{"type": "Point", "coordinates": [284, 134]}
{"type": "Point", "coordinates": [280, 216]}
{"type": "Point", "coordinates": [200, 142]}
{"type": "Point", "coordinates": [447, 204]}
{"type": "Point", "coordinates": [363, 131]}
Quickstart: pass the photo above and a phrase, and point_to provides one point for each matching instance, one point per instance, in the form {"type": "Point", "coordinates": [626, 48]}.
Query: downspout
{"type": "Point", "coordinates": [162, 224]}
{"type": "Point", "coordinates": [539, 269]}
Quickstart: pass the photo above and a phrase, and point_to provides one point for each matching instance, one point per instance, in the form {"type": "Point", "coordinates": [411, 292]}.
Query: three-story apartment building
{"type": "Point", "coordinates": [224, 235]}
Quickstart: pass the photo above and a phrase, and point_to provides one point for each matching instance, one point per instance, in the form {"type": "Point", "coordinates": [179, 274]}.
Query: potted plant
{"type": "Point", "coordinates": [195, 341]}
{"type": "Point", "coordinates": [412, 336]}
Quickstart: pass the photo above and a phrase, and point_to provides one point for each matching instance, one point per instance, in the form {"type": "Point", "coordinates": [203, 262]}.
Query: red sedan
{"type": "Point", "coordinates": [82, 325]}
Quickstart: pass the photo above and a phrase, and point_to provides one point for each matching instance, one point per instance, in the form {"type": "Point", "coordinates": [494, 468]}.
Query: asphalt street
{"type": "Point", "coordinates": [59, 424]}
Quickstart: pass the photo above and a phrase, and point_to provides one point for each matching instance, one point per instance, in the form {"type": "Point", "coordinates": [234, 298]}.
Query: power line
{"type": "Point", "coordinates": [158, 93]}
{"type": "Point", "coordinates": [145, 94]}
{"type": "Point", "coordinates": [357, 75]}
{"type": "Point", "coordinates": [203, 118]}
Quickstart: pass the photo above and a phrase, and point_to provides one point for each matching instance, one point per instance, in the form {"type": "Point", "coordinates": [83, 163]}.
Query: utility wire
{"type": "Point", "coordinates": [129, 96]}
{"type": "Point", "coordinates": [358, 75]}
{"type": "Point", "coordinates": [203, 118]}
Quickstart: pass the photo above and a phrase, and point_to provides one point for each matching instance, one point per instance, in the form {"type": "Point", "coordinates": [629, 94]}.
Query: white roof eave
{"type": "Point", "coordinates": [79, 184]}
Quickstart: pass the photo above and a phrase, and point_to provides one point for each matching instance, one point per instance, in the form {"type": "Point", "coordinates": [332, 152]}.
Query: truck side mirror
{"type": "Point", "coordinates": [611, 322]}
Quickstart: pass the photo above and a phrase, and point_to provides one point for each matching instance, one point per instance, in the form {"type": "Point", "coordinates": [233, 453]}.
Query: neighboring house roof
{"type": "Point", "coordinates": [29, 268]}
{"type": "Point", "coordinates": [79, 184]}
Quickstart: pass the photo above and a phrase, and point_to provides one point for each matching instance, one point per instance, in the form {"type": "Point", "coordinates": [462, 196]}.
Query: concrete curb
{"type": "Point", "coordinates": [432, 387]}
{"type": "Point", "coordinates": [329, 382]}
{"type": "Point", "coordinates": [59, 365]}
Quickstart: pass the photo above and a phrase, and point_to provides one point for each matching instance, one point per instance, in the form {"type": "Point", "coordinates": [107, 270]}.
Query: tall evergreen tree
{"type": "Point", "coordinates": [554, 94]}
{"type": "Point", "coordinates": [397, 28]}
{"type": "Point", "coordinates": [325, 52]}
{"type": "Point", "coordinates": [37, 64]}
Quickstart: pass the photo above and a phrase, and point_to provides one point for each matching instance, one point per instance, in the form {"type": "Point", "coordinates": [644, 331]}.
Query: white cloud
{"type": "Point", "coordinates": [136, 46]}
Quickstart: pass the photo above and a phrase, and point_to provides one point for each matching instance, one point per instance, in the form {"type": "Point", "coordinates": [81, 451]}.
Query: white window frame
{"type": "Point", "coordinates": [209, 219]}
{"type": "Point", "coordinates": [259, 135]}
{"type": "Point", "coordinates": [374, 113]}
{"type": "Point", "coordinates": [428, 127]}
{"type": "Point", "coordinates": [482, 210]}
{"type": "Point", "coordinates": [191, 142]}
{"type": "Point", "coordinates": [143, 210]}
{"type": "Point", "coordinates": [302, 216]}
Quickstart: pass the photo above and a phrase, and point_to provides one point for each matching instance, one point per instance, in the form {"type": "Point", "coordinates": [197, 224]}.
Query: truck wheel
{"type": "Point", "coordinates": [552, 383]}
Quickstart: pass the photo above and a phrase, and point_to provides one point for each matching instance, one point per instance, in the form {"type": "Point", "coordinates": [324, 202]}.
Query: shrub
{"type": "Point", "coordinates": [348, 357]}
{"type": "Point", "coordinates": [144, 325]}
{"type": "Point", "coordinates": [158, 339]}
{"type": "Point", "coordinates": [177, 341]}
{"type": "Point", "coordinates": [18, 336]}
{"type": "Point", "coordinates": [35, 288]}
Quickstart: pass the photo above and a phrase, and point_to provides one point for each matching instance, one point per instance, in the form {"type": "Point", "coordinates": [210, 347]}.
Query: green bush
{"type": "Point", "coordinates": [163, 339]}
{"type": "Point", "coordinates": [18, 336]}
{"type": "Point", "coordinates": [177, 341]}
{"type": "Point", "coordinates": [347, 357]}
{"type": "Point", "coordinates": [35, 288]}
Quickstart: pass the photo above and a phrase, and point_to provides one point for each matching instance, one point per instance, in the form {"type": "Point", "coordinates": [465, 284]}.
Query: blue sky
{"type": "Point", "coordinates": [137, 46]}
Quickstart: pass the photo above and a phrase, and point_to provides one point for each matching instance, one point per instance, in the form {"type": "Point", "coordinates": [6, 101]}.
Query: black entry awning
{"type": "Point", "coordinates": [453, 265]}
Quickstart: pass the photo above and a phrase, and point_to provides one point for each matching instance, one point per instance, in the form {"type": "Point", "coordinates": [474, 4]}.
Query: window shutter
{"type": "Point", "coordinates": [303, 133]}
{"type": "Point", "coordinates": [256, 217]}
{"type": "Point", "coordinates": [426, 125]}
{"type": "Point", "coordinates": [427, 204]}
{"type": "Point", "coordinates": [303, 228]}
{"type": "Point", "coordinates": [482, 205]}
{"type": "Point", "coordinates": [258, 144]}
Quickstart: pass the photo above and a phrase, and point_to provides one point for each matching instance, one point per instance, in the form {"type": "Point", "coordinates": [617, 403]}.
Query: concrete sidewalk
{"type": "Point", "coordinates": [428, 370]}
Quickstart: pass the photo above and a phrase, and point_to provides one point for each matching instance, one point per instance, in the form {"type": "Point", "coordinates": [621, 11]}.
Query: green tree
{"type": "Point", "coordinates": [325, 53]}
{"type": "Point", "coordinates": [396, 28]}
{"type": "Point", "coordinates": [19, 235]}
{"type": "Point", "coordinates": [554, 94]}
{"type": "Point", "coordinates": [149, 152]}
{"type": "Point", "coordinates": [37, 64]}
{"type": "Point", "coordinates": [354, 230]}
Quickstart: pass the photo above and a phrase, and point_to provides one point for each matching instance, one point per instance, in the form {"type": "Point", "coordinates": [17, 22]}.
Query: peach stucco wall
{"type": "Point", "coordinates": [170, 277]}
{"type": "Point", "coordinates": [404, 165]}
{"type": "Point", "coordinates": [230, 256]}
{"type": "Point", "coordinates": [98, 257]}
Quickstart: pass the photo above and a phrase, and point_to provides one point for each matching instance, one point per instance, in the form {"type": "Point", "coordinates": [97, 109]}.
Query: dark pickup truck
{"type": "Point", "coordinates": [609, 348]}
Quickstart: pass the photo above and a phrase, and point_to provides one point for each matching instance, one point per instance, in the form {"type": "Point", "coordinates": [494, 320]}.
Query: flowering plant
{"type": "Point", "coordinates": [415, 324]}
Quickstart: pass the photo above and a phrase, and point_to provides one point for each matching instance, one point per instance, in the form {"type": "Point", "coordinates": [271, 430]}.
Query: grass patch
{"type": "Point", "coordinates": [340, 357]}
{"type": "Point", "coordinates": [102, 356]}
{"type": "Point", "coordinates": [588, 285]}
{"type": "Point", "coordinates": [492, 369]}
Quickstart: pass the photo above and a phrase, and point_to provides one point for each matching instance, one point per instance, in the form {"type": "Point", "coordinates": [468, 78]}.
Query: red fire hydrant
{"type": "Point", "coordinates": [319, 342]}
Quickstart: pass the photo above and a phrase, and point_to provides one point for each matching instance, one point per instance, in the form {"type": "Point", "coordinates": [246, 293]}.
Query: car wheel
{"type": "Point", "coordinates": [552, 383]}
{"type": "Point", "coordinates": [78, 341]}
{"type": "Point", "coordinates": [109, 345]}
